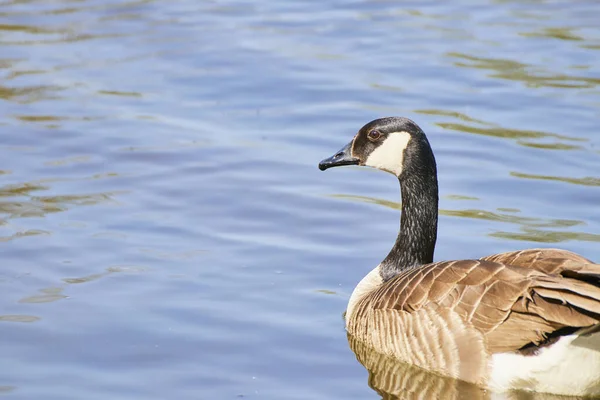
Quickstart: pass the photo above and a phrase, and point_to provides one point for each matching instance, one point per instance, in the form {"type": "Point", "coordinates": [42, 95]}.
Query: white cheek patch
{"type": "Point", "coordinates": [390, 154]}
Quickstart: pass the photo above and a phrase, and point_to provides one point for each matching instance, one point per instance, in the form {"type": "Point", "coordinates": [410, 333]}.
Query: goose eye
{"type": "Point", "coordinates": [374, 135]}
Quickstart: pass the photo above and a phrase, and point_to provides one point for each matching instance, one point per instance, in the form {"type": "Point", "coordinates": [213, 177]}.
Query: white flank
{"type": "Point", "coordinates": [367, 284]}
{"type": "Point", "coordinates": [571, 366]}
{"type": "Point", "coordinates": [390, 154]}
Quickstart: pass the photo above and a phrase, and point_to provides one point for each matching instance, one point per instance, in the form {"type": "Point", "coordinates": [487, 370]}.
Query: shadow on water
{"type": "Point", "coordinates": [394, 380]}
{"type": "Point", "coordinates": [531, 228]}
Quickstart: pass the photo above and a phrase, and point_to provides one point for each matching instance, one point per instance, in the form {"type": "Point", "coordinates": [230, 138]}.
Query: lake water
{"type": "Point", "coordinates": [165, 231]}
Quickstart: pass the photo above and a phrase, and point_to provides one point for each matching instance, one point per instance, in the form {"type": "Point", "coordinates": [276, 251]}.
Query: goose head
{"type": "Point", "coordinates": [396, 145]}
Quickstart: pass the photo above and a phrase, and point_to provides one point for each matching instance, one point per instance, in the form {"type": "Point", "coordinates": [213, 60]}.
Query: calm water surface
{"type": "Point", "coordinates": [165, 231]}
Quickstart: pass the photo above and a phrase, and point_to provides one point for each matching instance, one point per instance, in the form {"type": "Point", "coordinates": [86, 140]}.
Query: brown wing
{"type": "Point", "coordinates": [549, 261]}
{"type": "Point", "coordinates": [510, 306]}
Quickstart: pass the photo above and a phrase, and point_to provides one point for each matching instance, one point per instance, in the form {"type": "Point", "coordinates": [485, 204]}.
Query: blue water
{"type": "Point", "coordinates": [164, 229]}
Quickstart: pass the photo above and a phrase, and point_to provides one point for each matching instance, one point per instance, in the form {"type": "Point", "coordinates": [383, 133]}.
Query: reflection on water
{"type": "Point", "coordinates": [535, 235]}
{"type": "Point", "coordinates": [19, 318]}
{"type": "Point", "coordinates": [558, 142]}
{"type": "Point", "coordinates": [109, 271]}
{"type": "Point", "coordinates": [555, 33]}
{"type": "Point", "coordinates": [29, 94]}
{"type": "Point", "coordinates": [528, 74]}
{"type": "Point", "coordinates": [46, 295]}
{"type": "Point", "coordinates": [453, 114]}
{"type": "Point", "coordinates": [587, 181]}
{"type": "Point", "coordinates": [6, 389]}
{"type": "Point", "coordinates": [394, 380]}
{"type": "Point", "coordinates": [503, 132]}
{"type": "Point", "coordinates": [530, 227]}
{"type": "Point", "coordinates": [24, 233]}
{"type": "Point", "coordinates": [20, 201]}
{"type": "Point", "coordinates": [549, 146]}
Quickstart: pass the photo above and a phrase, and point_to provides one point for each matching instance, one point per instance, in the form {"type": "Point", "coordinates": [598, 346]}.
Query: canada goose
{"type": "Point", "coordinates": [521, 320]}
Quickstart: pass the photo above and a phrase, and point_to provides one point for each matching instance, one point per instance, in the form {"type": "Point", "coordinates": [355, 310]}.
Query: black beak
{"type": "Point", "coordinates": [342, 157]}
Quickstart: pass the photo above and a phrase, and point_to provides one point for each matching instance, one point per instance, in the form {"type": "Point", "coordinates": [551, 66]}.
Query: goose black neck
{"type": "Point", "coordinates": [418, 224]}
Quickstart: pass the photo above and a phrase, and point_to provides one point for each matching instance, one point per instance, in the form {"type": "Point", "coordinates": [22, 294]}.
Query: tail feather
{"type": "Point", "coordinates": [589, 273]}
{"type": "Point", "coordinates": [567, 302]}
{"type": "Point", "coordinates": [561, 313]}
